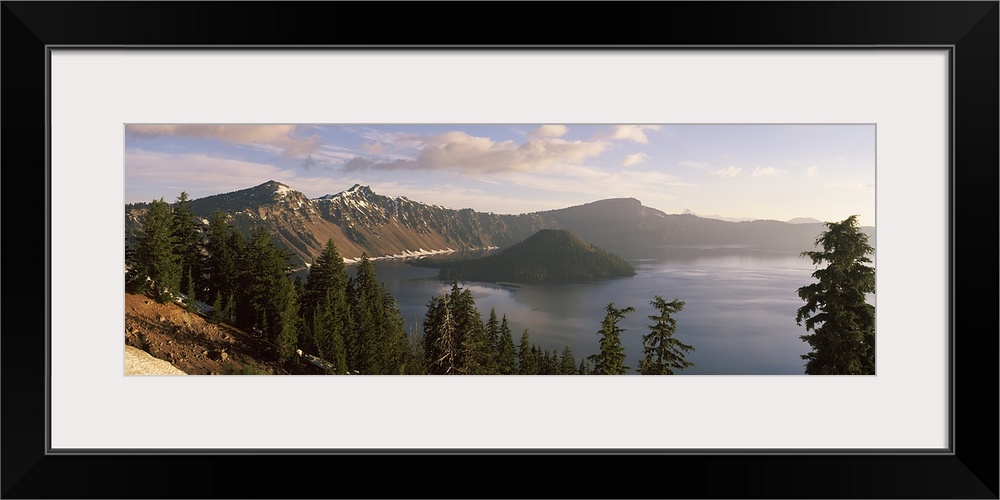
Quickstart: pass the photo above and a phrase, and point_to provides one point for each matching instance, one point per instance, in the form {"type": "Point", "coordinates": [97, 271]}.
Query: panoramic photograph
{"type": "Point", "coordinates": [499, 249]}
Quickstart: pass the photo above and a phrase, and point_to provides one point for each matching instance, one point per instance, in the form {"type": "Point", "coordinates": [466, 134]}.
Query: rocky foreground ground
{"type": "Point", "coordinates": [188, 342]}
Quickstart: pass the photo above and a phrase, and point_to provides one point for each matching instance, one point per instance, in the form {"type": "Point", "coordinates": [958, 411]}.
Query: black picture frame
{"type": "Point", "coordinates": [969, 471]}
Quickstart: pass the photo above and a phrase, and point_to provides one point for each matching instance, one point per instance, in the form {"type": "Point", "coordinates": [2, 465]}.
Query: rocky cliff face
{"type": "Point", "coordinates": [359, 221]}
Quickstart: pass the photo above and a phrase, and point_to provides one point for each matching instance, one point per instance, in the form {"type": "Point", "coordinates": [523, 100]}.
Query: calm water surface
{"type": "Point", "coordinates": [739, 313]}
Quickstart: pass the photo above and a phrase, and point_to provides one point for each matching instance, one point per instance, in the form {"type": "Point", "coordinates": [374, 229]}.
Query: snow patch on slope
{"type": "Point", "coordinates": [282, 190]}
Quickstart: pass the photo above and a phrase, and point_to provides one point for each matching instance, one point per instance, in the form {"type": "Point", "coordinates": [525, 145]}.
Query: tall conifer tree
{"type": "Point", "coordinates": [187, 238]}
{"type": "Point", "coordinates": [567, 365]}
{"type": "Point", "coordinates": [155, 252]}
{"type": "Point", "coordinates": [663, 352]}
{"type": "Point", "coordinates": [611, 359]}
{"type": "Point", "coordinates": [526, 362]}
{"type": "Point", "coordinates": [506, 355]}
{"type": "Point", "coordinates": [325, 307]}
{"type": "Point", "coordinates": [471, 334]}
{"type": "Point", "coordinates": [440, 343]}
{"type": "Point", "coordinates": [836, 309]}
{"type": "Point", "coordinates": [366, 355]}
{"type": "Point", "coordinates": [265, 289]}
{"type": "Point", "coordinates": [490, 351]}
{"type": "Point", "coordinates": [223, 249]}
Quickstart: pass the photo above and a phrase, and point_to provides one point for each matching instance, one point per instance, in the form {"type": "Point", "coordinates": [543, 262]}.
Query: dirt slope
{"type": "Point", "coordinates": [195, 346]}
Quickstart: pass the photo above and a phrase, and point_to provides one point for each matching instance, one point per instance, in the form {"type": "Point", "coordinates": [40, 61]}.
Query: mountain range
{"type": "Point", "coordinates": [362, 221]}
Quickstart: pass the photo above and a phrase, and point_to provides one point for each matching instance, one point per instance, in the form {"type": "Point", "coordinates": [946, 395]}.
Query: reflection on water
{"type": "Point", "coordinates": [739, 313]}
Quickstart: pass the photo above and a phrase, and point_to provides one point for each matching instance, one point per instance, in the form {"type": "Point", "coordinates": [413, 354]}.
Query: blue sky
{"type": "Point", "coordinates": [738, 171]}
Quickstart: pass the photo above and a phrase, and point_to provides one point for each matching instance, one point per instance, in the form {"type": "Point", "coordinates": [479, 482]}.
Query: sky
{"type": "Point", "coordinates": [780, 172]}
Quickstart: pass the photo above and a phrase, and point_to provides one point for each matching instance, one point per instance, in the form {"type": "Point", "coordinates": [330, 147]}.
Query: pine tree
{"type": "Point", "coordinates": [288, 323]}
{"type": "Point", "coordinates": [223, 249]}
{"type": "Point", "coordinates": [664, 353]}
{"type": "Point", "coordinates": [491, 349]}
{"type": "Point", "coordinates": [548, 362]}
{"type": "Point", "coordinates": [300, 287]}
{"type": "Point", "coordinates": [506, 357]}
{"type": "Point", "coordinates": [327, 274]}
{"type": "Point", "coordinates": [394, 349]}
{"type": "Point", "coordinates": [187, 238]}
{"type": "Point", "coordinates": [527, 363]}
{"type": "Point", "coordinates": [470, 332]}
{"type": "Point", "coordinates": [415, 363]}
{"type": "Point", "coordinates": [133, 282]}
{"type": "Point", "coordinates": [843, 342]}
{"type": "Point", "coordinates": [155, 252]}
{"type": "Point", "coordinates": [454, 335]}
{"type": "Point", "coordinates": [191, 294]}
{"type": "Point", "coordinates": [611, 359]}
{"type": "Point", "coordinates": [325, 307]}
{"type": "Point", "coordinates": [366, 346]}
{"type": "Point", "coordinates": [264, 288]}
{"type": "Point", "coordinates": [328, 334]}
{"type": "Point", "coordinates": [440, 343]}
{"type": "Point", "coordinates": [567, 365]}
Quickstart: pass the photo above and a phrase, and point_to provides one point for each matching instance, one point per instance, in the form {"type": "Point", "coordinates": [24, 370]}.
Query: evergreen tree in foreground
{"type": "Point", "coordinates": [440, 343]}
{"type": "Point", "coordinates": [491, 348]}
{"type": "Point", "coordinates": [396, 345]}
{"type": "Point", "coordinates": [264, 290]}
{"type": "Point", "coordinates": [328, 334]}
{"type": "Point", "coordinates": [224, 248]}
{"type": "Point", "coordinates": [455, 339]}
{"type": "Point", "coordinates": [187, 240]}
{"type": "Point", "coordinates": [155, 255]}
{"type": "Point", "coordinates": [567, 363]}
{"type": "Point", "coordinates": [376, 345]}
{"type": "Point", "coordinates": [289, 322]}
{"type": "Point", "coordinates": [527, 363]}
{"type": "Point", "coordinates": [611, 359]}
{"type": "Point", "coordinates": [325, 308]}
{"type": "Point", "coordinates": [470, 332]}
{"type": "Point", "coordinates": [663, 352]}
{"type": "Point", "coordinates": [843, 323]}
{"type": "Point", "coordinates": [506, 356]}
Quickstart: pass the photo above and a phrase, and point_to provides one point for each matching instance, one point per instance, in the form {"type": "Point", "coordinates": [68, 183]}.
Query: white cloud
{"type": "Point", "coordinates": [812, 171]}
{"type": "Point", "coordinates": [634, 133]}
{"type": "Point", "coordinates": [595, 184]}
{"type": "Point", "coordinates": [765, 171]}
{"type": "Point", "coordinates": [374, 147]}
{"type": "Point", "coordinates": [634, 159]}
{"type": "Point", "coordinates": [694, 164]}
{"type": "Point", "coordinates": [273, 136]}
{"type": "Point", "coordinates": [730, 171]}
{"type": "Point", "coordinates": [461, 152]}
{"type": "Point", "coordinates": [549, 131]}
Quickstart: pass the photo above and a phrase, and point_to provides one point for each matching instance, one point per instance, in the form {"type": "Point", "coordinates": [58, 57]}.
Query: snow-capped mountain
{"type": "Point", "coordinates": [359, 221]}
{"type": "Point", "coordinates": [362, 221]}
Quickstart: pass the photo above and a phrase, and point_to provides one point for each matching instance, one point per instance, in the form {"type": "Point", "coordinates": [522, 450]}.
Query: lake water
{"type": "Point", "coordinates": [739, 312]}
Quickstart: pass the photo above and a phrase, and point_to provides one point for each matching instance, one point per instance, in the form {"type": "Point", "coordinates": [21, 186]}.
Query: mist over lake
{"type": "Point", "coordinates": [739, 312]}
